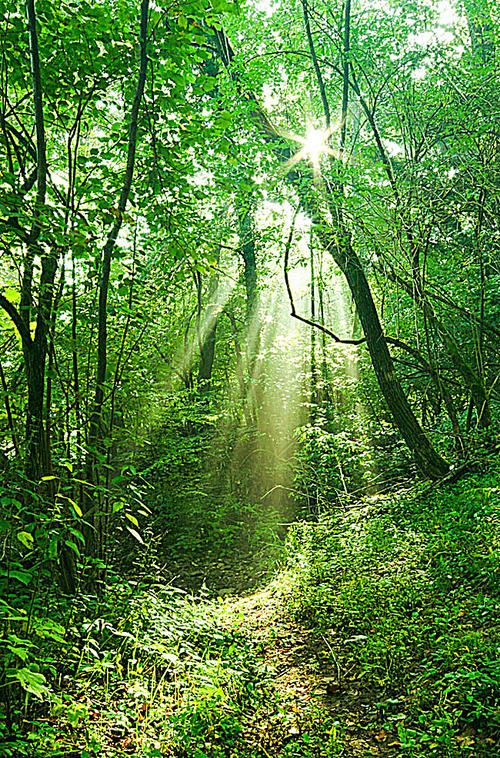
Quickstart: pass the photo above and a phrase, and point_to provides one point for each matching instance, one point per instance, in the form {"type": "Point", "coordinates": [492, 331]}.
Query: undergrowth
{"type": "Point", "coordinates": [145, 671]}
{"type": "Point", "coordinates": [409, 586]}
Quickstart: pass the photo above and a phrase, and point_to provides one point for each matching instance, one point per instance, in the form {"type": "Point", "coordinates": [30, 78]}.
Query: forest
{"type": "Point", "coordinates": [249, 378]}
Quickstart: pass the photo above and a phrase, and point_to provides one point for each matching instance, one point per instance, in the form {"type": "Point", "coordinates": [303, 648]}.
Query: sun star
{"type": "Point", "coordinates": [315, 145]}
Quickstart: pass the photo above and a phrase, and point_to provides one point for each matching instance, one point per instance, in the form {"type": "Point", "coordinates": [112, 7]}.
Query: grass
{"type": "Point", "coordinates": [155, 674]}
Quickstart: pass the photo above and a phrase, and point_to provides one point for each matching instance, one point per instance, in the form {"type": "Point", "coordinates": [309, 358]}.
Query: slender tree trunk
{"type": "Point", "coordinates": [337, 242]}
{"type": "Point", "coordinates": [95, 436]}
{"type": "Point", "coordinates": [94, 538]}
{"type": "Point", "coordinates": [34, 366]}
{"type": "Point", "coordinates": [207, 352]}
{"type": "Point", "coordinates": [239, 367]}
{"type": "Point", "coordinates": [35, 353]}
{"type": "Point", "coordinates": [325, 388]}
{"type": "Point", "coordinates": [472, 379]}
{"type": "Point", "coordinates": [416, 289]}
{"type": "Point", "coordinates": [481, 29]}
{"type": "Point", "coordinates": [8, 411]}
{"type": "Point", "coordinates": [314, 376]}
{"type": "Point", "coordinates": [74, 362]}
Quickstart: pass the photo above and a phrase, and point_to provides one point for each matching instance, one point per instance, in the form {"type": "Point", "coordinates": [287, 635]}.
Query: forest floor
{"type": "Point", "coordinates": [372, 631]}
{"type": "Point", "coordinates": [378, 634]}
{"type": "Point", "coordinates": [318, 707]}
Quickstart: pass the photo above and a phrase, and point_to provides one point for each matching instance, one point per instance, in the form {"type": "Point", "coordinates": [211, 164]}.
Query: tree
{"type": "Point", "coordinates": [337, 241]}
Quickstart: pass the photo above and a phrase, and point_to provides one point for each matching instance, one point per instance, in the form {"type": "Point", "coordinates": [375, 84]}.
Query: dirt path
{"type": "Point", "coordinates": [316, 707]}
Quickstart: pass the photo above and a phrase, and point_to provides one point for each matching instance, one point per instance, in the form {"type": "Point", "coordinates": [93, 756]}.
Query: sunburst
{"type": "Point", "coordinates": [314, 146]}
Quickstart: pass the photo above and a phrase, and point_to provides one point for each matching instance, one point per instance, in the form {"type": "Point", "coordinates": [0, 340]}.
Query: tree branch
{"type": "Point", "coordinates": [11, 310]}
{"type": "Point", "coordinates": [41, 148]}
{"type": "Point", "coordinates": [113, 233]}
{"type": "Point", "coordinates": [293, 312]}
{"type": "Point", "coordinates": [317, 70]}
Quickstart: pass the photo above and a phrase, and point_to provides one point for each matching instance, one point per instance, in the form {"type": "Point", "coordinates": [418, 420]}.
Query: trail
{"type": "Point", "coordinates": [317, 706]}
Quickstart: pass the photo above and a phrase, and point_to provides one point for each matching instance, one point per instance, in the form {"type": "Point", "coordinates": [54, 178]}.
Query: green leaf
{"type": "Point", "coordinates": [132, 519]}
{"type": "Point", "coordinates": [73, 546]}
{"type": "Point", "coordinates": [22, 576]}
{"type": "Point", "coordinates": [32, 682]}
{"type": "Point", "coordinates": [26, 539]}
{"type": "Point", "coordinates": [77, 509]}
{"type": "Point", "coordinates": [53, 548]}
{"type": "Point", "coordinates": [12, 295]}
{"type": "Point", "coordinates": [75, 506]}
{"type": "Point", "coordinates": [135, 534]}
{"type": "Point", "coordinates": [76, 533]}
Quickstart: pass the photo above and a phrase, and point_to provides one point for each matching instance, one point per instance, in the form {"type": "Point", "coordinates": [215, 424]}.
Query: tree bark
{"type": "Point", "coordinates": [247, 247]}
{"type": "Point", "coordinates": [428, 460]}
{"type": "Point", "coordinates": [35, 351]}
{"type": "Point", "coordinates": [207, 349]}
{"type": "Point", "coordinates": [95, 436]}
{"type": "Point", "coordinates": [337, 242]}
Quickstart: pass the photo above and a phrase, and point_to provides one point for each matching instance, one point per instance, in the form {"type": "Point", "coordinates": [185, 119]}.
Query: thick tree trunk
{"type": "Point", "coordinates": [428, 460]}
{"type": "Point", "coordinates": [207, 360]}
{"type": "Point", "coordinates": [246, 232]}
{"type": "Point", "coordinates": [247, 246]}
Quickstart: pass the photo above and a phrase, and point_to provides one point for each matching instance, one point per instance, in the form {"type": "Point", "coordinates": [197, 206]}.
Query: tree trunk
{"type": "Point", "coordinates": [247, 246]}
{"type": "Point", "coordinates": [207, 348]}
{"type": "Point", "coordinates": [94, 537]}
{"type": "Point", "coordinates": [314, 373]}
{"type": "Point", "coordinates": [428, 460]}
{"type": "Point", "coordinates": [481, 29]}
{"type": "Point", "coordinates": [95, 423]}
{"type": "Point", "coordinates": [34, 366]}
{"type": "Point", "coordinates": [472, 379]}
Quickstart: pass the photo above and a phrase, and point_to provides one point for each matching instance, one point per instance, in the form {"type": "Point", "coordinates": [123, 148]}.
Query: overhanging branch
{"type": "Point", "coordinates": [293, 312]}
{"type": "Point", "coordinates": [11, 310]}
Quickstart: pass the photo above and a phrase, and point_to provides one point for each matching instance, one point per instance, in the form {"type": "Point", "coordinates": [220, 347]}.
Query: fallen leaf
{"type": "Point", "coordinates": [465, 740]}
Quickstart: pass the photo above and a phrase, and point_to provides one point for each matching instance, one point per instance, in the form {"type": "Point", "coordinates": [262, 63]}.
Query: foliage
{"type": "Point", "coordinates": [144, 667]}
{"type": "Point", "coordinates": [410, 586]}
{"type": "Point", "coordinates": [169, 406]}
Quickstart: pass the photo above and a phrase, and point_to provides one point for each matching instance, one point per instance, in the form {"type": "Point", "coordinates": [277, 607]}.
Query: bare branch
{"type": "Point", "coordinates": [293, 312]}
